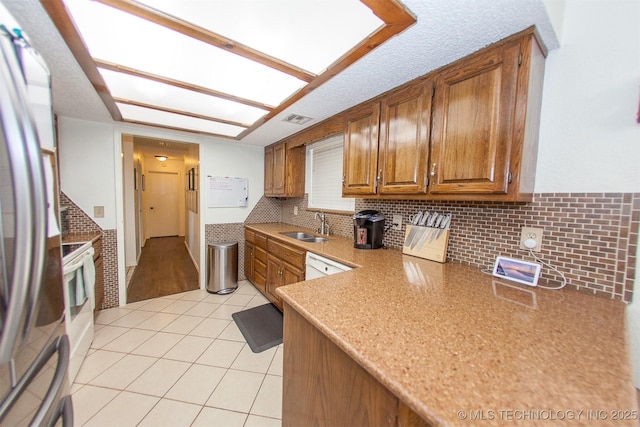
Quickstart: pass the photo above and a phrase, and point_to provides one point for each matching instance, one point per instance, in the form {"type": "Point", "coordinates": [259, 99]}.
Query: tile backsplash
{"type": "Point", "coordinates": [591, 237]}
{"type": "Point", "coordinates": [339, 224]}
{"type": "Point", "coordinates": [77, 221]}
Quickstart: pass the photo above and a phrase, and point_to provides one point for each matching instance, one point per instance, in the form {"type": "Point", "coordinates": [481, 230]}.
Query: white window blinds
{"type": "Point", "coordinates": [326, 176]}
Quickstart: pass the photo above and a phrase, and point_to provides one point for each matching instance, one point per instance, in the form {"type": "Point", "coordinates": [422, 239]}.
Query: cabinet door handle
{"type": "Point", "coordinates": [433, 170]}
{"type": "Point", "coordinates": [344, 180]}
{"type": "Point", "coordinates": [379, 177]}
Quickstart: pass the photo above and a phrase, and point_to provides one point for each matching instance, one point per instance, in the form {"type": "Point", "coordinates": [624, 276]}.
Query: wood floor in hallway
{"type": "Point", "coordinates": [165, 268]}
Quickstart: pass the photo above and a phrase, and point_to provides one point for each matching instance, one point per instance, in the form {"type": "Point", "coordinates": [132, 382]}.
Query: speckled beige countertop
{"type": "Point", "coordinates": [81, 237]}
{"type": "Point", "coordinates": [461, 348]}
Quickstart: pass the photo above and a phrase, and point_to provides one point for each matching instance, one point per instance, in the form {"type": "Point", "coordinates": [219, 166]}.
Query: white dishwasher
{"type": "Point", "coordinates": [319, 266]}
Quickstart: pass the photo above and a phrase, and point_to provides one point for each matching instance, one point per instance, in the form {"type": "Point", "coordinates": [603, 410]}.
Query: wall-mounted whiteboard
{"type": "Point", "coordinates": [227, 192]}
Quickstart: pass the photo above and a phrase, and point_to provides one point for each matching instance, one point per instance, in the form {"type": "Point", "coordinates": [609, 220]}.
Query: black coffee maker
{"type": "Point", "coordinates": [368, 228]}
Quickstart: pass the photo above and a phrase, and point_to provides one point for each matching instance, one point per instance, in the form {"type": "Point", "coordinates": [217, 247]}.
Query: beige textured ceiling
{"type": "Point", "coordinates": [445, 31]}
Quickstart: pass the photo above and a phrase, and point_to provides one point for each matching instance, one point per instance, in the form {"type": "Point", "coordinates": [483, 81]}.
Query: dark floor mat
{"type": "Point", "coordinates": [261, 326]}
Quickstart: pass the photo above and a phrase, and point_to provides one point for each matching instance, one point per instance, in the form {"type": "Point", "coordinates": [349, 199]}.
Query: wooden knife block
{"type": "Point", "coordinates": [436, 250]}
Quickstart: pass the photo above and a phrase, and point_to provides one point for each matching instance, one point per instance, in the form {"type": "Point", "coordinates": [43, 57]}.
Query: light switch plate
{"type": "Point", "coordinates": [98, 211]}
{"type": "Point", "coordinates": [397, 222]}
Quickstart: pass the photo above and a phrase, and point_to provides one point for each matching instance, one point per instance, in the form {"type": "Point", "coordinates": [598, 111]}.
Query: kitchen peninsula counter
{"type": "Point", "coordinates": [460, 347]}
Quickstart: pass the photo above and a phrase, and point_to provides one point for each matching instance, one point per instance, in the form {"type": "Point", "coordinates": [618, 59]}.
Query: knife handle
{"type": "Point", "coordinates": [424, 219]}
{"type": "Point", "coordinates": [433, 219]}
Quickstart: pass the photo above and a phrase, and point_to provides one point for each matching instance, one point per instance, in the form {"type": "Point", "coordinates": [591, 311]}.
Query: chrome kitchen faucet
{"type": "Point", "coordinates": [324, 227]}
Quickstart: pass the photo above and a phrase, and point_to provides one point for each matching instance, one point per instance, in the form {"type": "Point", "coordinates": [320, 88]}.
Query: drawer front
{"type": "Point", "coordinates": [260, 268]}
{"type": "Point", "coordinates": [288, 254]}
{"type": "Point", "coordinates": [249, 236]}
{"type": "Point", "coordinates": [261, 255]}
{"type": "Point", "coordinates": [261, 241]}
{"type": "Point", "coordinates": [260, 282]}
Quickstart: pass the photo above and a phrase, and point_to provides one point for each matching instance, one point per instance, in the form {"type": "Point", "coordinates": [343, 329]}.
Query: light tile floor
{"type": "Point", "coordinates": [178, 360]}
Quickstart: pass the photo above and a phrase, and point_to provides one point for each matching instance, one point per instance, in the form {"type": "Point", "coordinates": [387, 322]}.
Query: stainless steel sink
{"type": "Point", "coordinates": [303, 237]}
{"type": "Point", "coordinates": [315, 240]}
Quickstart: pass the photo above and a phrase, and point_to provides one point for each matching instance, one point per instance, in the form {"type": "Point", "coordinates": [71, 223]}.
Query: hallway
{"type": "Point", "coordinates": [164, 268]}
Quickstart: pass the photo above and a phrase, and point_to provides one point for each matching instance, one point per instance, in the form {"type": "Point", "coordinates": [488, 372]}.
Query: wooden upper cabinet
{"type": "Point", "coordinates": [279, 169]}
{"type": "Point", "coordinates": [284, 170]}
{"type": "Point", "coordinates": [467, 131]}
{"type": "Point", "coordinates": [404, 141]}
{"type": "Point", "coordinates": [361, 151]}
{"type": "Point", "coordinates": [473, 124]}
{"type": "Point", "coordinates": [268, 171]}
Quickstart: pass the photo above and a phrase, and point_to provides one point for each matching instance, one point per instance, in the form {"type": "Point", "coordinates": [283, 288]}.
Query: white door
{"type": "Point", "coordinates": [162, 203]}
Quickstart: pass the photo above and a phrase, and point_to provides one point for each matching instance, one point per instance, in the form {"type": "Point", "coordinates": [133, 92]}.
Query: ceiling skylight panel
{"type": "Point", "coordinates": [164, 119]}
{"type": "Point", "coordinates": [310, 34]}
{"type": "Point", "coordinates": [124, 39]}
{"type": "Point", "coordinates": [155, 93]}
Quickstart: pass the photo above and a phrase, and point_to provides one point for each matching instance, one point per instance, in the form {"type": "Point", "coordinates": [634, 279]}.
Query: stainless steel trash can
{"type": "Point", "coordinates": [222, 267]}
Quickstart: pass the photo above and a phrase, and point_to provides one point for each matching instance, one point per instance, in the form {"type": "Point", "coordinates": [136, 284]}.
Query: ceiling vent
{"type": "Point", "coordinates": [297, 119]}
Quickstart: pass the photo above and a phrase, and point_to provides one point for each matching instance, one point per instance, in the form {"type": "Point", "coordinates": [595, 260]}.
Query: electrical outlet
{"type": "Point", "coordinates": [295, 210]}
{"type": "Point", "coordinates": [397, 222]}
{"type": "Point", "coordinates": [531, 233]}
{"type": "Point", "coordinates": [98, 211]}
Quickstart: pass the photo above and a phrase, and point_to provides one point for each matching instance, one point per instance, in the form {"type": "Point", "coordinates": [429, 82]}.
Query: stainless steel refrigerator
{"type": "Point", "coordinates": [34, 350]}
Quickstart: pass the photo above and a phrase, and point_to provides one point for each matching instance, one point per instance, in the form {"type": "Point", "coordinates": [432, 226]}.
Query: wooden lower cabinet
{"type": "Point", "coordinates": [269, 264]}
{"type": "Point", "coordinates": [249, 260]}
{"type": "Point", "coordinates": [280, 273]}
{"type": "Point", "coordinates": [255, 265]}
{"type": "Point", "coordinates": [260, 269]}
{"type": "Point", "coordinates": [323, 386]}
